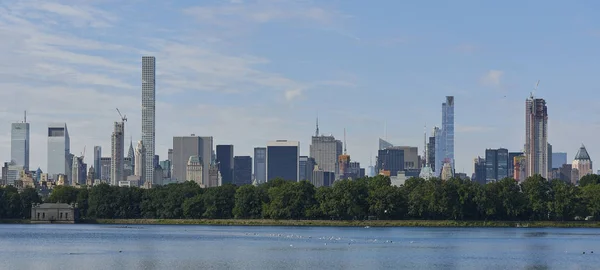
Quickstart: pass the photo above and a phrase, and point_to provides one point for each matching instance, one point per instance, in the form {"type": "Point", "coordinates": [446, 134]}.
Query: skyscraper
{"type": "Point", "coordinates": [390, 159]}
{"type": "Point", "coordinates": [117, 154]}
{"type": "Point", "coordinates": [326, 150]}
{"type": "Point", "coordinates": [536, 137]}
{"type": "Point", "coordinates": [439, 155]}
{"type": "Point", "coordinates": [131, 156]}
{"type": "Point", "coordinates": [260, 165]}
{"type": "Point", "coordinates": [283, 160]}
{"type": "Point", "coordinates": [59, 150]}
{"type": "Point", "coordinates": [582, 165]}
{"type": "Point", "coordinates": [186, 146]}
{"type": "Point", "coordinates": [140, 161]}
{"type": "Point", "coordinates": [97, 166]}
{"type": "Point", "coordinates": [242, 170]}
{"type": "Point", "coordinates": [480, 171]}
{"type": "Point", "coordinates": [496, 164]}
{"type": "Point", "coordinates": [194, 171]}
{"type": "Point", "coordinates": [148, 113]}
{"type": "Point", "coordinates": [19, 143]}
{"type": "Point", "coordinates": [225, 162]}
{"type": "Point", "coordinates": [448, 130]}
{"type": "Point", "coordinates": [559, 159]}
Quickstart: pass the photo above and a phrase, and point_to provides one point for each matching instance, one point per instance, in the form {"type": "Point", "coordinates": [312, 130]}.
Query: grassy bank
{"type": "Point", "coordinates": [338, 223]}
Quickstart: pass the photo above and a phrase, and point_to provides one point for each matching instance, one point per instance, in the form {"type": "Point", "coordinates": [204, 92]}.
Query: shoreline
{"type": "Point", "coordinates": [335, 223]}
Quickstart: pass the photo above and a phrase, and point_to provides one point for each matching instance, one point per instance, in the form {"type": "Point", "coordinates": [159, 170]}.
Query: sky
{"type": "Point", "coordinates": [250, 71]}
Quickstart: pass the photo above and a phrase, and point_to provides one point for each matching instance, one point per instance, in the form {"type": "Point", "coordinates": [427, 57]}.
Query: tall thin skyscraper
{"type": "Point", "coordinates": [448, 130]}
{"type": "Point", "coordinates": [439, 155]}
{"type": "Point", "coordinates": [260, 165]}
{"type": "Point", "coordinates": [149, 112]}
{"type": "Point", "coordinates": [59, 150]}
{"type": "Point", "coordinates": [140, 161]}
{"type": "Point", "coordinates": [117, 154]}
{"type": "Point", "coordinates": [536, 136]}
{"type": "Point", "coordinates": [225, 163]}
{"type": "Point", "coordinates": [97, 166]}
{"type": "Point", "coordinates": [19, 143]}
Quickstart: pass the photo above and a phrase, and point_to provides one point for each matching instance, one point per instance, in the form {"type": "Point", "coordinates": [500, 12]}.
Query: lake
{"type": "Point", "coordinates": [236, 247]}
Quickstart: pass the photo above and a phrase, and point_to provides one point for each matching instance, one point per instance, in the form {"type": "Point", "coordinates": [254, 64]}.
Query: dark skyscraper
{"type": "Point", "coordinates": [225, 161]}
{"type": "Point", "coordinates": [242, 170]}
{"type": "Point", "coordinates": [480, 171]}
{"type": "Point", "coordinates": [283, 160]}
{"type": "Point", "coordinates": [496, 164]}
{"type": "Point", "coordinates": [391, 160]}
{"type": "Point", "coordinates": [260, 164]}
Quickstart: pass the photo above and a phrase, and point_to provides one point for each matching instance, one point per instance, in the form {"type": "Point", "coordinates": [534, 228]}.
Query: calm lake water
{"type": "Point", "coordinates": [216, 247]}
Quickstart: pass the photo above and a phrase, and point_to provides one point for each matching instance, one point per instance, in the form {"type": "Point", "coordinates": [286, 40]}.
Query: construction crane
{"type": "Point", "coordinates": [535, 89]}
{"type": "Point", "coordinates": [123, 117]}
{"type": "Point", "coordinates": [83, 153]}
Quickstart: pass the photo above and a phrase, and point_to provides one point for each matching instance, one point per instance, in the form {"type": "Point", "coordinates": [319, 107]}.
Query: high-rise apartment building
{"type": "Point", "coordinates": [225, 163]}
{"type": "Point", "coordinates": [19, 144]}
{"type": "Point", "coordinates": [260, 165]}
{"type": "Point", "coordinates": [186, 146]}
{"type": "Point", "coordinates": [439, 155]}
{"type": "Point", "coordinates": [283, 160]}
{"type": "Point", "coordinates": [59, 150]}
{"type": "Point", "coordinates": [140, 161]}
{"type": "Point", "coordinates": [97, 166]}
{"type": "Point", "coordinates": [242, 170]}
{"type": "Point", "coordinates": [149, 112]}
{"type": "Point", "coordinates": [448, 131]}
{"type": "Point", "coordinates": [536, 137]}
{"type": "Point", "coordinates": [431, 153]}
{"type": "Point", "coordinates": [117, 154]}
{"type": "Point", "coordinates": [194, 171]}
{"type": "Point", "coordinates": [582, 165]}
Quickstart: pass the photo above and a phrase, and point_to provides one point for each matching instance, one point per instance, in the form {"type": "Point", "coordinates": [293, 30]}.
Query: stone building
{"type": "Point", "coordinates": [54, 213]}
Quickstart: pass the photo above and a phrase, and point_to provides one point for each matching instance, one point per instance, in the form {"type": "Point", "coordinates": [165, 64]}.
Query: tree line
{"type": "Point", "coordinates": [367, 198]}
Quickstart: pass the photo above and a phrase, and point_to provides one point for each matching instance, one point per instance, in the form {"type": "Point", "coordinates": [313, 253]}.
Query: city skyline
{"type": "Point", "coordinates": [231, 77]}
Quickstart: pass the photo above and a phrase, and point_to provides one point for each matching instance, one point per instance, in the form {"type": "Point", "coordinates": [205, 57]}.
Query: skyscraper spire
{"type": "Point", "coordinates": [25, 118]}
{"type": "Point", "coordinates": [317, 131]}
{"type": "Point", "coordinates": [425, 145]}
{"type": "Point", "coordinates": [345, 141]}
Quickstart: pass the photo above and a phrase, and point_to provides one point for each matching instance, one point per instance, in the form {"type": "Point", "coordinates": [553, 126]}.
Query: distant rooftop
{"type": "Point", "coordinates": [582, 154]}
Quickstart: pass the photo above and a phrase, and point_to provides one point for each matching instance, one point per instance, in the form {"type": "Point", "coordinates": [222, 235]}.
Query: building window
{"type": "Point", "coordinates": [38, 216]}
{"type": "Point", "coordinates": [44, 215]}
{"type": "Point", "coordinates": [61, 214]}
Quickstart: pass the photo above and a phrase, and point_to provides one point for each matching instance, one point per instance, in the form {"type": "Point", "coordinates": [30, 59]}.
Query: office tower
{"type": "Point", "coordinates": [194, 170]}
{"type": "Point", "coordinates": [59, 149]}
{"type": "Point", "coordinates": [448, 130]}
{"type": "Point", "coordinates": [225, 162]}
{"type": "Point", "coordinates": [390, 160]}
{"type": "Point", "coordinates": [321, 178]}
{"type": "Point", "coordinates": [214, 176]}
{"type": "Point", "coordinates": [283, 160]}
{"type": "Point", "coordinates": [148, 112]}
{"type": "Point", "coordinates": [427, 172]}
{"type": "Point", "coordinates": [354, 170]}
{"type": "Point", "coordinates": [439, 155]}
{"type": "Point", "coordinates": [565, 173]}
{"type": "Point", "coordinates": [480, 171]}
{"type": "Point", "coordinates": [170, 155]}
{"type": "Point", "coordinates": [496, 164]}
{"type": "Point", "coordinates": [78, 171]}
{"type": "Point", "coordinates": [411, 156]}
{"type": "Point", "coordinates": [306, 165]}
{"type": "Point", "coordinates": [383, 144]}
{"type": "Point", "coordinates": [326, 150]}
{"type": "Point", "coordinates": [140, 161]}
{"type": "Point", "coordinates": [242, 170]}
{"type": "Point", "coordinates": [260, 165]}
{"type": "Point", "coordinates": [117, 154]}
{"type": "Point", "coordinates": [302, 166]}
{"type": "Point", "coordinates": [186, 146]}
{"type": "Point", "coordinates": [511, 163]}
{"type": "Point", "coordinates": [97, 166]}
{"type": "Point", "coordinates": [549, 160]}
{"type": "Point", "coordinates": [559, 159]}
{"type": "Point", "coordinates": [128, 168]}
{"type": "Point", "coordinates": [89, 180]}
{"type": "Point", "coordinates": [167, 168]}
{"type": "Point", "coordinates": [582, 165]}
{"type": "Point", "coordinates": [19, 143]}
{"type": "Point", "coordinates": [447, 171]}
{"type": "Point", "coordinates": [131, 156]}
{"type": "Point", "coordinates": [431, 153]}
{"type": "Point", "coordinates": [536, 136]}
{"type": "Point", "coordinates": [105, 164]}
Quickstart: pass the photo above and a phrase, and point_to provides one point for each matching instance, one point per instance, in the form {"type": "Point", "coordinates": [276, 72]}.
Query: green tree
{"type": "Point", "coordinates": [590, 179]}
{"type": "Point", "coordinates": [219, 202]}
{"type": "Point", "coordinates": [248, 203]}
{"type": "Point", "coordinates": [351, 199]}
{"type": "Point", "coordinates": [29, 196]}
{"type": "Point", "coordinates": [537, 190]}
{"type": "Point", "coordinates": [591, 198]}
{"type": "Point", "coordinates": [564, 202]}
{"type": "Point", "coordinates": [63, 194]}
{"type": "Point", "coordinates": [194, 207]}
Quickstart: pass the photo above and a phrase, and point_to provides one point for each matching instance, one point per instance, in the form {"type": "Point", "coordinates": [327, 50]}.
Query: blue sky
{"type": "Point", "coordinates": [247, 72]}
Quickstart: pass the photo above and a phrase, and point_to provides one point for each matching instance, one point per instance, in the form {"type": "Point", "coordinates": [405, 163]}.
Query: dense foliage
{"type": "Point", "coordinates": [367, 198]}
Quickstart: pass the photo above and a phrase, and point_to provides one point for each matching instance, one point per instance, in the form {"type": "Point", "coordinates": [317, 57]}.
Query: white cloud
{"type": "Point", "coordinates": [492, 78]}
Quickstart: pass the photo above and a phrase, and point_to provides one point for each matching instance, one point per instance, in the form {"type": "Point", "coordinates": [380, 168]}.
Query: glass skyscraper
{"type": "Point", "coordinates": [59, 150]}
{"type": "Point", "coordinates": [260, 165]}
{"type": "Point", "coordinates": [283, 160]}
{"type": "Point", "coordinates": [448, 130]}
{"type": "Point", "coordinates": [148, 112]}
{"type": "Point", "coordinates": [19, 144]}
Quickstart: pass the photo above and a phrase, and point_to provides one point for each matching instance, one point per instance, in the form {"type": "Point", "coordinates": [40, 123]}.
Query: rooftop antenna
{"type": "Point", "coordinates": [25, 118]}
{"type": "Point", "coordinates": [317, 131]}
{"type": "Point", "coordinates": [535, 89]}
{"type": "Point", "coordinates": [345, 141]}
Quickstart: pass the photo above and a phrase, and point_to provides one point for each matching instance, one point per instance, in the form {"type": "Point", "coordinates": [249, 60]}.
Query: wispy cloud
{"type": "Point", "coordinates": [492, 78]}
